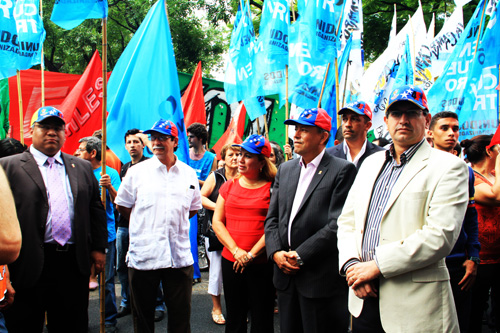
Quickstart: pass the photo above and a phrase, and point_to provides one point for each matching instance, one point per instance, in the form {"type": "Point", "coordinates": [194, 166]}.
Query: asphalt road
{"type": "Point", "coordinates": [201, 307]}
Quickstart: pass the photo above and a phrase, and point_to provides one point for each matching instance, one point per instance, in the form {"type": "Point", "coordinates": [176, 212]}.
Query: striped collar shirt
{"type": "Point", "coordinates": [380, 196]}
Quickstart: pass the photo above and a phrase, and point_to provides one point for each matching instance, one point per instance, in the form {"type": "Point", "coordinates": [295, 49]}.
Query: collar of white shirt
{"type": "Point", "coordinates": [314, 162]}
{"type": "Point", "coordinates": [347, 152]}
{"type": "Point", "coordinates": [41, 158]}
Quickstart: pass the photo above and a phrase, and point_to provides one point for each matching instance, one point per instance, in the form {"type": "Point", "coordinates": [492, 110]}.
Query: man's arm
{"type": "Point", "coordinates": [10, 232]}
{"type": "Point", "coordinates": [125, 211]}
{"type": "Point", "coordinates": [271, 228]}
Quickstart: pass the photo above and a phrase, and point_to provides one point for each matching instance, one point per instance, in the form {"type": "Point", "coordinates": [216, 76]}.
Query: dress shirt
{"type": "Point", "coordinates": [41, 160]}
{"type": "Point", "coordinates": [306, 175]}
{"type": "Point", "coordinates": [347, 153]}
{"type": "Point", "coordinates": [159, 222]}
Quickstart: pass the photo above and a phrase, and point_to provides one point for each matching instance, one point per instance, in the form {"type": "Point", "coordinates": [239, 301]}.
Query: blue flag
{"type": "Point", "coordinates": [405, 71]}
{"type": "Point", "coordinates": [271, 48]}
{"type": "Point", "coordinates": [144, 85]}
{"type": "Point", "coordinates": [241, 81]}
{"type": "Point", "coordinates": [69, 14]}
{"type": "Point", "coordinates": [479, 112]}
{"type": "Point", "coordinates": [255, 106]}
{"type": "Point", "coordinates": [306, 72]}
{"type": "Point", "coordinates": [21, 36]}
{"type": "Point", "coordinates": [447, 92]}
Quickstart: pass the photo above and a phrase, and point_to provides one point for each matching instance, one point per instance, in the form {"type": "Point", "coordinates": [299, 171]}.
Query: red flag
{"type": "Point", "coordinates": [57, 87]}
{"type": "Point", "coordinates": [234, 132]}
{"type": "Point", "coordinates": [193, 100]}
{"type": "Point", "coordinates": [495, 139]}
{"type": "Point", "coordinates": [82, 108]}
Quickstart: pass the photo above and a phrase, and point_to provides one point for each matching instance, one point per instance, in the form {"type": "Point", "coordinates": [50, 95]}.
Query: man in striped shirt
{"type": "Point", "coordinates": [401, 218]}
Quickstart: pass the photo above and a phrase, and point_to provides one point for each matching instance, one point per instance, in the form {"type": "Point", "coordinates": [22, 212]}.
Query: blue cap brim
{"type": "Point", "coordinates": [405, 100]}
{"type": "Point", "coordinates": [297, 122]}
{"type": "Point", "coordinates": [353, 110]}
{"type": "Point", "coordinates": [149, 131]}
{"type": "Point", "coordinates": [249, 149]}
{"type": "Point", "coordinates": [45, 118]}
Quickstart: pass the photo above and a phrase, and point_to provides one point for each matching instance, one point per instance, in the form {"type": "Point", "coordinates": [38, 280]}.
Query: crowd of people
{"type": "Point", "coordinates": [396, 235]}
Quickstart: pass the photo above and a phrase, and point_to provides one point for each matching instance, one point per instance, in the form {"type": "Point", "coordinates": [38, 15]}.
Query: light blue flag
{"type": "Point", "coordinates": [479, 112]}
{"type": "Point", "coordinates": [405, 71]}
{"type": "Point", "coordinates": [320, 20]}
{"type": "Point", "coordinates": [271, 49]}
{"type": "Point", "coordinates": [255, 106]}
{"type": "Point", "coordinates": [69, 14]}
{"type": "Point", "coordinates": [447, 92]}
{"type": "Point", "coordinates": [21, 36]}
{"type": "Point", "coordinates": [306, 72]}
{"type": "Point", "coordinates": [241, 81]}
{"type": "Point", "coordinates": [144, 85]}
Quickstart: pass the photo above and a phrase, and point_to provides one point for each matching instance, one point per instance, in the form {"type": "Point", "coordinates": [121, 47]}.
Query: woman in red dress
{"type": "Point", "coordinates": [485, 161]}
{"type": "Point", "coordinates": [238, 222]}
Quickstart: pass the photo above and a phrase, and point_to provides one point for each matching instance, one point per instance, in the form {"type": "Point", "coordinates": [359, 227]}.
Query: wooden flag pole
{"type": "Point", "coordinates": [102, 287]}
{"type": "Point", "coordinates": [480, 28]}
{"type": "Point", "coordinates": [20, 99]}
{"type": "Point", "coordinates": [266, 128]}
{"type": "Point", "coordinates": [42, 63]}
{"type": "Point", "coordinates": [323, 86]}
{"type": "Point", "coordinates": [337, 91]}
{"type": "Point", "coordinates": [345, 81]}
{"type": "Point", "coordinates": [258, 125]}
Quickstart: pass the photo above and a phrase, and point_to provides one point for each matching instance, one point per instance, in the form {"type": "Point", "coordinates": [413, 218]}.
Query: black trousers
{"type": "Point", "coordinates": [251, 291]}
{"type": "Point", "coordinates": [61, 290]}
{"type": "Point", "coordinates": [177, 289]}
{"type": "Point", "coordinates": [462, 298]}
{"type": "Point", "coordinates": [487, 277]}
{"type": "Point", "coordinates": [301, 314]}
{"type": "Point", "coordinates": [369, 319]}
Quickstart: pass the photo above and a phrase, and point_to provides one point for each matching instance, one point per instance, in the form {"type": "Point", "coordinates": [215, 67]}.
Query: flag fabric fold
{"type": "Point", "coordinates": [69, 14]}
{"type": "Point", "coordinates": [22, 36]}
{"type": "Point", "coordinates": [193, 100]}
{"type": "Point", "coordinates": [144, 85]}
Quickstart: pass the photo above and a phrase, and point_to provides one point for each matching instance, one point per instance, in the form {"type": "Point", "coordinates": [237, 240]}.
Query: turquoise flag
{"type": "Point", "coordinates": [69, 14]}
{"type": "Point", "coordinates": [447, 92]}
{"type": "Point", "coordinates": [241, 81]}
{"type": "Point", "coordinates": [405, 71]}
{"type": "Point", "coordinates": [21, 36]}
{"type": "Point", "coordinates": [256, 107]}
{"type": "Point", "coordinates": [479, 112]}
{"type": "Point", "coordinates": [144, 85]}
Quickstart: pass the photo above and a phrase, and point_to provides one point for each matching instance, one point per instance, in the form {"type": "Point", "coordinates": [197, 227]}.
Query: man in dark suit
{"type": "Point", "coordinates": [63, 225]}
{"type": "Point", "coordinates": [301, 226]}
{"type": "Point", "coordinates": [356, 121]}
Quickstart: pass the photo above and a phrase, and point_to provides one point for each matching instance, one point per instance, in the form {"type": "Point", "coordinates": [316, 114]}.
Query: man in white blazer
{"type": "Point", "coordinates": [400, 220]}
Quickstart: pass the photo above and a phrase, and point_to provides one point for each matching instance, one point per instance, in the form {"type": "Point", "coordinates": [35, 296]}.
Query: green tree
{"type": "Point", "coordinates": [194, 39]}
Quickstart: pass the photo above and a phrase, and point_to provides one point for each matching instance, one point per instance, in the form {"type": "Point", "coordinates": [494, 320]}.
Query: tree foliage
{"type": "Point", "coordinates": [194, 38]}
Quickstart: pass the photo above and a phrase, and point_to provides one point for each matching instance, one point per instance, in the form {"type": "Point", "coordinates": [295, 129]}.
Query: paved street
{"type": "Point", "coordinates": [201, 307]}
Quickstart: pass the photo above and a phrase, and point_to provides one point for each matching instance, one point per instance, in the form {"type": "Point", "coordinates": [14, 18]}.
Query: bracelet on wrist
{"type": "Point", "coordinates": [251, 255]}
{"type": "Point", "coordinates": [234, 253]}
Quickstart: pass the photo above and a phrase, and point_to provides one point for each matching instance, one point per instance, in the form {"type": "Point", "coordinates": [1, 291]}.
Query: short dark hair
{"type": "Point", "coordinates": [200, 131]}
{"type": "Point", "coordinates": [475, 148]}
{"type": "Point", "coordinates": [458, 149]}
{"type": "Point", "coordinates": [93, 143]}
{"type": "Point", "coordinates": [441, 115]}
{"type": "Point", "coordinates": [10, 146]}
{"type": "Point", "coordinates": [133, 131]}
{"type": "Point", "coordinates": [320, 131]}
{"type": "Point", "coordinates": [339, 136]}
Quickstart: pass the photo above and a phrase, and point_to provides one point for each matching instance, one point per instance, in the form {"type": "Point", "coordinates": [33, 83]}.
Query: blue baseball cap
{"type": "Point", "coordinates": [164, 127]}
{"type": "Point", "coordinates": [46, 112]}
{"type": "Point", "coordinates": [408, 93]}
{"type": "Point", "coordinates": [313, 117]}
{"type": "Point", "coordinates": [359, 107]}
{"type": "Point", "coordinates": [256, 144]}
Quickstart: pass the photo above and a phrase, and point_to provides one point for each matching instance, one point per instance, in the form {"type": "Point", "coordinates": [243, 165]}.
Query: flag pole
{"type": "Point", "coordinates": [103, 152]}
{"type": "Point", "coordinates": [337, 91]}
{"type": "Point", "coordinates": [345, 81]}
{"type": "Point", "coordinates": [20, 99]}
{"type": "Point", "coordinates": [323, 86]}
{"type": "Point", "coordinates": [413, 55]}
{"type": "Point", "coordinates": [286, 108]}
{"type": "Point", "coordinates": [480, 27]}
{"type": "Point", "coordinates": [258, 125]}
{"type": "Point", "coordinates": [42, 64]}
{"type": "Point", "coordinates": [266, 128]}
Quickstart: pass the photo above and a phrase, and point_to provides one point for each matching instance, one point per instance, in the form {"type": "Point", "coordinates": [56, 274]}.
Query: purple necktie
{"type": "Point", "coordinates": [61, 224]}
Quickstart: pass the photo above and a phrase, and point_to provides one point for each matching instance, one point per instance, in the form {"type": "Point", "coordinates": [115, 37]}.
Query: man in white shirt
{"type": "Point", "coordinates": [356, 121]}
{"type": "Point", "coordinates": [159, 196]}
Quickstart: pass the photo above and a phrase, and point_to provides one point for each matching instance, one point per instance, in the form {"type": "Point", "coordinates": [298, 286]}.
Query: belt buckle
{"type": "Point", "coordinates": [62, 248]}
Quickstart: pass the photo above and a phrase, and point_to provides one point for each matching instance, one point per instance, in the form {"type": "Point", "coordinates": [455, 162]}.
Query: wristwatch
{"type": "Point", "coordinates": [299, 260]}
{"type": "Point", "coordinates": [476, 260]}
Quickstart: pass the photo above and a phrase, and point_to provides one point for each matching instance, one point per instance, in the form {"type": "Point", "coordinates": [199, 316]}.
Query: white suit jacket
{"type": "Point", "coordinates": [419, 228]}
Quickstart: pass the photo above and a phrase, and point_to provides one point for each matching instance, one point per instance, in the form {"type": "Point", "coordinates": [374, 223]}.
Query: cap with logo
{"type": "Point", "coordinates": [313, 117]}
{"type": "Point", "coordinates": [46, 112]}
{"type": "Point", "coordinates": [165, 127]}
{"type": "Point", "coordinates": [408, 93]}
{"type": "Point", "coordinates": [359, 107]}
{"type": "Point", "coordinates": [256, 144]}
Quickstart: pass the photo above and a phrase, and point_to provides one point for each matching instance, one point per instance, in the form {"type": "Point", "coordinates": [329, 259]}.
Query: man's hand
{"type": "Point", "coordinates": [99, 259]}
{"type": "Point", "coordinates": [9, 296]}
{"type": "Point", "coordinates": [286, 266]}
{"type": "Point", "coordinates": [362, 272]}
{"type": "Point", "coordinates": [365, 290]}
{"type": "Point", "coordinates": [470, 275]}
{"type": "Point", "coordinates": [105, 181]}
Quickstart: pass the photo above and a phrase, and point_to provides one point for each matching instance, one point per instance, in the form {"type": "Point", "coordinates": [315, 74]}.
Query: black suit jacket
{"type": "Point", "coordinates": [338, 151]}
{"type": "Point", "coordinates": [89, 223]}
{"type": "Point", "coordinates": [314, 228]}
